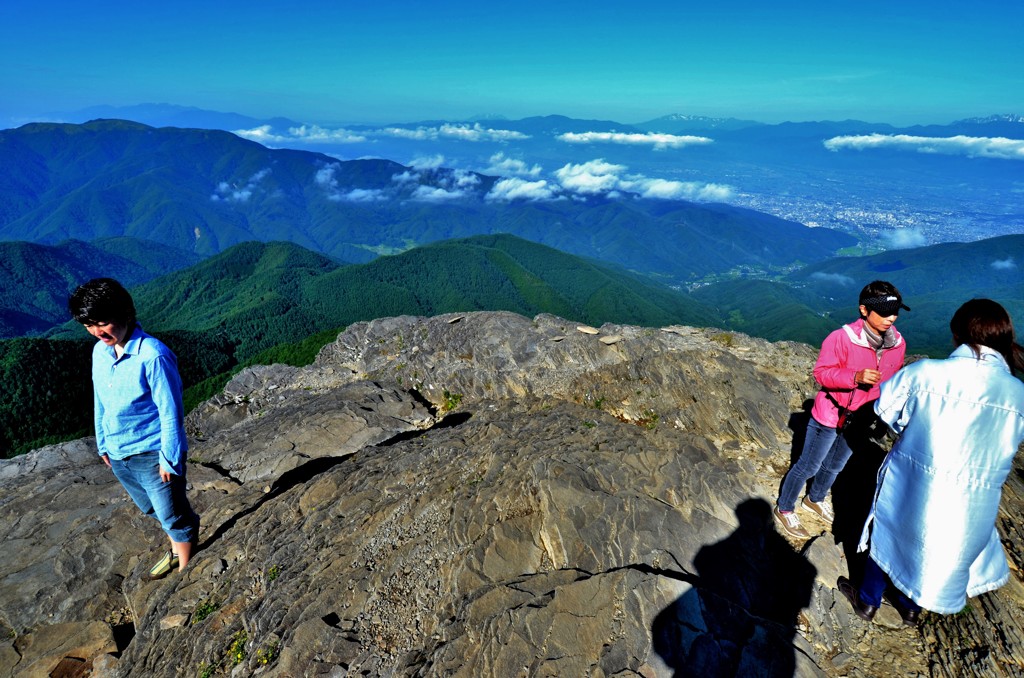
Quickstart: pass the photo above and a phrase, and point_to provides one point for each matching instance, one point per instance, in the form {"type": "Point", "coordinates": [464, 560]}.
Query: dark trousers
{"type": "Point", "coordinates": [874, 585]}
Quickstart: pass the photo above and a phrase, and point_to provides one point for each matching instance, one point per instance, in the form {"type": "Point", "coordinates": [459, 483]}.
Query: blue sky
{"type": "Point", "coordinates": [337, 62]}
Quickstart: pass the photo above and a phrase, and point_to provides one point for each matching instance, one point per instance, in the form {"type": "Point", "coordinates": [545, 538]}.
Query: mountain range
{"type": "Point", "coordinates": [203, 191]}
{"type": "Point", "coordinates": [888, 186]}
{"type": "Point", "coordinates": [232, 248]}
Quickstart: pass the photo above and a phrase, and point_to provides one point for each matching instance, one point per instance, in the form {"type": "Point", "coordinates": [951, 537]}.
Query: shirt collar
{"type": "Point", "coordinates": [132, 346]}
{"type": "Point", "coordinates": [988, 356]}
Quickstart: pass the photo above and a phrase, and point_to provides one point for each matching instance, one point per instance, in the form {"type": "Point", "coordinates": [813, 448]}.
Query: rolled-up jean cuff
{"type": "Point", "coordinates": [167, 502]}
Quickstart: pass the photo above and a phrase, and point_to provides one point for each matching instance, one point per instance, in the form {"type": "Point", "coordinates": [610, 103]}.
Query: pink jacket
{"type": "Point", "coordinates": [844, 353]}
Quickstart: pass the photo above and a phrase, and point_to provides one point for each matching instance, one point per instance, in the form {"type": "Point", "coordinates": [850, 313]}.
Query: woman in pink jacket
{"type": "Point", "coordinates": [853, 361]}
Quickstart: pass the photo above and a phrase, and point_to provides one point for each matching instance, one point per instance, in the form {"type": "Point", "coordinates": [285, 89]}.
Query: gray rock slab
{"type": "Point", "coordinates": [479, 494]}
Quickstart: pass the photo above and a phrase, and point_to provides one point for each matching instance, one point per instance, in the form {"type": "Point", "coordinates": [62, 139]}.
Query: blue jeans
{"type": "Point", "coordinates": [873, 587]}
{"type": "Point", "coordinates": [824, 455]}
{"type": "Point", "coordinates": [139, 474]}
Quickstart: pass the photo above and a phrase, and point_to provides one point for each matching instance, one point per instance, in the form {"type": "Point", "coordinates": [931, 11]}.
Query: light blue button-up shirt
{"type": "Point", "coordinates": [138, 401]}
{"type": "Point", "coordinates": [932, 526]}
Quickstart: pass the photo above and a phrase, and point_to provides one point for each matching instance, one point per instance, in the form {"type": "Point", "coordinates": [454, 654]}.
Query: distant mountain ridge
{"type": "Point", "coordinates": [678, 123]}
{"type": "Point", "coordinates": [173, 115]}
{"type": "Point", "coordinates": [206, 190]}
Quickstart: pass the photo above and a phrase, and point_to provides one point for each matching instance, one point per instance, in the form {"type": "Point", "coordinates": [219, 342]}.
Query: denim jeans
{"type": "Point", "coordinates": [873, 587]}
{"type": "Point", "coordinates": [139, 474]}
{"type": "Point", "coordinates": [824, 455]}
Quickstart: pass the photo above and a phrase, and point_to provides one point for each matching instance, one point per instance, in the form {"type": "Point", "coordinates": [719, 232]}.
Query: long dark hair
{"type": "Point", "coordinates": [983, 322]}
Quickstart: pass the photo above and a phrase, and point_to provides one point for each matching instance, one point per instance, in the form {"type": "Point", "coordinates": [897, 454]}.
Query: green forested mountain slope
{"type": "Point", "coordinates": [261, 294]}
{"type": "Point", "coordinates": [35, 280]}
{"type": "Point", "coordinates": [769, 309]}
{"type": "Point", "coordinates": [934, 281]}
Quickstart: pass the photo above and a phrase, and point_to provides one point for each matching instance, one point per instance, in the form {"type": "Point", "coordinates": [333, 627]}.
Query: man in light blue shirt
{"type": "Point", "coordinates": [139, 415]}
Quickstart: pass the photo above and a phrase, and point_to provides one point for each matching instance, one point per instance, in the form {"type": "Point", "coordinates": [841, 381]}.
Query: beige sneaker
{"type": "Point", "coordinates": [790, 524]}
{"type": "Point", "coordinates": [823, 509]}
{"type": "Point", "coordinates": [167, 564]}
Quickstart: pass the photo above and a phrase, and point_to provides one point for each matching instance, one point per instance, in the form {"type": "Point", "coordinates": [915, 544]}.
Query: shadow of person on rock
{"type": "Point", "coordinates": [854, 488]}
{"type": "Point", "coordinates": [798, 425]}
{"type": "Point", "coordinates": [740, 616]}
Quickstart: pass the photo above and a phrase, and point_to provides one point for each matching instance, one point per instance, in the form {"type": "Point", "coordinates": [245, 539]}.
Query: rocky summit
{"type": "Point", "coordinates": [480, 495]}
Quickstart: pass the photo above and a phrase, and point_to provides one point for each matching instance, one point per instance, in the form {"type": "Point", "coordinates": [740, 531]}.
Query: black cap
{"type": "Point", "coordinates": [885, 306]}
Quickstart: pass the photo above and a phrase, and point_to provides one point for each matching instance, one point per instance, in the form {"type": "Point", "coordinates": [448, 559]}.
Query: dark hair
{"type": "Point", "coordinates": [102, 300]}
{"type": "Point", "coordinates": [983, 322]}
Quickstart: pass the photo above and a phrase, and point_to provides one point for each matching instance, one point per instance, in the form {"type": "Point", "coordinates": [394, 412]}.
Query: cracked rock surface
{"type": "Point", "coordinates": [478, 495]}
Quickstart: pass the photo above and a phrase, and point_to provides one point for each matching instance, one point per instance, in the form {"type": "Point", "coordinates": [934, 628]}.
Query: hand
{"type": "Point", "coordinates": [165, 476]}
{"type": "Point", "coordinates": [106, 460]}
{"type": "Point", "coordinates": [869, 377]}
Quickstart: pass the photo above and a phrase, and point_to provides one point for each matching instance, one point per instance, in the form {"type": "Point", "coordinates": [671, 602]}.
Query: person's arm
{"type": "Point", "coordinates": [830, 369]}
{"type": "Point", "coordinates": [165, 388]}
{"type": "Point", "coordinates": [97, 414]}
{"type": "Point", "coordinates": [893, 404]}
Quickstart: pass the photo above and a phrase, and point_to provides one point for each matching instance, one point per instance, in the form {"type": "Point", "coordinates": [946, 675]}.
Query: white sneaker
{"type": "Point", "coordinates": [823, 509]}
{"type": "Point", "coordinates": [790, 524]}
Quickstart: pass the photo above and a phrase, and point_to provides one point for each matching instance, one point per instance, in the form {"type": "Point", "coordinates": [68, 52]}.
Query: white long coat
{"type": "Point", "coordinates": [932, 525]}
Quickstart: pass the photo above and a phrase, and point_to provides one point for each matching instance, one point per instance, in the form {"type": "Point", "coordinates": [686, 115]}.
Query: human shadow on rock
{"type": "Point", "coordinates": [740, 616]}
{"type": "Point", "coordinates": [798, 425]}
{"type": "Point", "coordinates": [854, 488]}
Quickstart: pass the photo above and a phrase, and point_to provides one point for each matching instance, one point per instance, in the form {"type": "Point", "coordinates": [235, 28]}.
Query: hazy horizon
{"type": "Point", "coordinates": [328, 63]}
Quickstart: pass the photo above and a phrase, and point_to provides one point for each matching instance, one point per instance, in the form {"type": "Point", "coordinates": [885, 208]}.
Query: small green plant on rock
{"type": "Point", "coordinates": [274, 572]}
{"type": "Point", "coordinates": [723, 338]}
{"type": "Point", "coordinates": [236, 652]}
{"type": "Point", "coordinates": [267, 655]}
{"type": "Point", "coordinates": [206, 670]}
{"type": "Point", "coordinates": [204, 610]}
{"type": "Point", "coordinates": [451, 400]}
{"type": "Point", "coordinates": [648, 419]}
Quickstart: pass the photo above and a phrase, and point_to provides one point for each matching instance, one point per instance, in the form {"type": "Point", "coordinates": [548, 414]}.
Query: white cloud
{"type": "Point", "coordinates": [260, 134]}
{"type": "Point", "coordinates": [971, 147]}
{"type": "Point", "coordinates": [520, 189]}
{"type": "Point", "coordinates": [833, 278]}
{"type": "Point", "coordinates": [234, 192]}
{"type": "Point", "coordinates": [420, 134]}
{"type": "Point", "coordinates": [503, 166]}
{"type": "Point", "coordinates": [464, 178]}
{"type": "Point", "coordinates": [307, 133]}
{"type": "Point", "coordinates": [478, 133]}
{"type": "Point", "coordinates": [904, 238]}
{"type": "Point", "coordinates": [436, 184]}
{"type": "Point", "coordinates": [435, 194]}
{"type": "Point", "coordinates": [1007, 264]}
{"type": "Point", "coordinates": [597, 176]}
{"type": "Point", "coordinates": [406, 177]}
{"type": "Point", "coordinates": [657, 141]}
{"type": "Point", "coordinates": [325, 176]}
{"type": "Point", "coordinates": [360, 195]}
{"type": "Point", "coordinates": [427, 162]}
{"type": "Point", "coordinates": [314, 133]}
{"type": "Point", "coordinates": [590, 178]}
{"type": "Point", "coordinates": [678, 190]}
{"type": "Point", "coordinates": [475, 132]}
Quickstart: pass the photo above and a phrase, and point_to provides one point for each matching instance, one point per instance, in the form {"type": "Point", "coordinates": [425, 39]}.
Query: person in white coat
{"type": "Point", "coordinates": [931, 532]}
